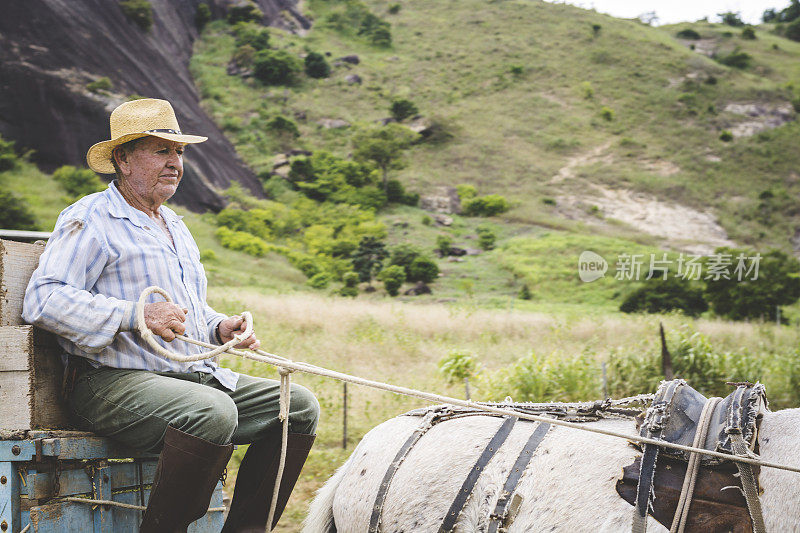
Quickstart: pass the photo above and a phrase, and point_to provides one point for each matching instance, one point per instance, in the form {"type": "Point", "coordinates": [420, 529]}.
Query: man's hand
{"type": "Point", "coordinates": [165, 319]}
{"type": "Point", "coordinates": [235, 325]}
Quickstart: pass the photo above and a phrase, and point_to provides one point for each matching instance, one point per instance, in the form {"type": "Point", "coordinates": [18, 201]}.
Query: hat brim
{"type": "Point", "coordinates": [99, 155]}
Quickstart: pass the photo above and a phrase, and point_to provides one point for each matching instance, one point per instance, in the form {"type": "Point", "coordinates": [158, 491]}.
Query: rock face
{"type": "Point", "coordinates": [50, 50]}
{"type": "Point", "coordinates": [441, 200]}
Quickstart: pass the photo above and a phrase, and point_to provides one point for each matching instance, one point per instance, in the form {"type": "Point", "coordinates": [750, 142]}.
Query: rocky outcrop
{"type": "Point", "coordinates": [441, 200]}
{"type": "Point", "coordinates": [50, 50]}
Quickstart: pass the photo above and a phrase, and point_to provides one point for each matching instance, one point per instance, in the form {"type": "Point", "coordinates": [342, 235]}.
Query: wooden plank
{"type": "Point", "coordinates": [30, 380]}
{"type": "Point", "coordinates": [16, 348]}
{"type": "Point", "coordinates": [18, 260]}
{"type": "Point", "coordinates": [15, 400]}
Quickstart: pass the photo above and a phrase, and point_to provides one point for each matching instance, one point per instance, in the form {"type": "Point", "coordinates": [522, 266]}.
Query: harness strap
{"type": "Point", "coordinates": [377, 509]}
{"type": "Point", "coordinates": [690, 478]}
{"type": "Point", "coordinates": [749, 485]}
{"type": "Point", "coordinates": [464, 493]}
{"type": "Point", "coordinates": [656, 420]}
{"type": "Point", "coordinates": [500, 514]}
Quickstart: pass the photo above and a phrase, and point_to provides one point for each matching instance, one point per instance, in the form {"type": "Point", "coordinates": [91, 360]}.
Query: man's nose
{"type": "Point", "coordinates": [175, 161]}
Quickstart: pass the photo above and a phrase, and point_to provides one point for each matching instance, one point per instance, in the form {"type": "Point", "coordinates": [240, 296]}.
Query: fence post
{"type": "Point", "coordinates": [605, 380]}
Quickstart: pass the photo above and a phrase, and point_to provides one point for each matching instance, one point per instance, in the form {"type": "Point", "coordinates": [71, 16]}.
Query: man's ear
{"type": "Point", "coordinates": [121, 157]}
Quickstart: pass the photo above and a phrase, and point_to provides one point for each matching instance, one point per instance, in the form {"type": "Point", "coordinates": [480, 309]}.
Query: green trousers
{"type": "Point", "coordinates": [136, 406]}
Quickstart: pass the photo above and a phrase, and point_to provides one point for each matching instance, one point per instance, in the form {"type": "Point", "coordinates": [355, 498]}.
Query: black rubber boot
{"type": "Point", "coordinates": [187, 473]}
{"type": "Point", "coordinates": [255, 482]}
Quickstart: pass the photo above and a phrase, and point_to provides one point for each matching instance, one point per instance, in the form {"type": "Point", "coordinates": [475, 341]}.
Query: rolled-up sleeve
{"type": "Point", "coordinates": [59, 296]}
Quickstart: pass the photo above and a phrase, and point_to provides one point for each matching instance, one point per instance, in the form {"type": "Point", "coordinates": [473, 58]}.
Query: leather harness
{"type": "Point", "coordinates": [508, 501]}
{"type": "Point", "coordinates": [732, 428]}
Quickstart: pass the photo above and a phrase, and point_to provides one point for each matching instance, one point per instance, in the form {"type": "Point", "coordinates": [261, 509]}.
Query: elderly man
{"type": "Point", "coordinates": [105, 249]}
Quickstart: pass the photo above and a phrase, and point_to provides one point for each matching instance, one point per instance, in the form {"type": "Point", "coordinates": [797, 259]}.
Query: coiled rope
{"type": "Point", "coordinates": [286, 366]}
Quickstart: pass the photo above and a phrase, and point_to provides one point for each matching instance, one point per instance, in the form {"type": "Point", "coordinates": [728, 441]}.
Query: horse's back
{"type": "Point", "coordinates": [569, 484]}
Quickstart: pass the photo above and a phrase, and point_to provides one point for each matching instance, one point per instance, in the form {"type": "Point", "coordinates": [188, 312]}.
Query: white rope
{"type": "Point", "coordinates": [25, 529]}
{"type": "Point", "coordinates": [690, 478]}
{"type": "Point", "coordinates": [282, 362]}
{"type": "Point", "coordinates": [283, 415]}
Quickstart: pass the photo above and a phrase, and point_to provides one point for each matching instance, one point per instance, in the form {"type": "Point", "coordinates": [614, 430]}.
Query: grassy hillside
{"type": "Point", "coordinates": [523, 87]}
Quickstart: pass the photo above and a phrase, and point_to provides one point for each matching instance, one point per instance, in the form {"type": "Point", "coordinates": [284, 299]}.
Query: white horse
{"type": "Point", "coordinates": [569, 485]}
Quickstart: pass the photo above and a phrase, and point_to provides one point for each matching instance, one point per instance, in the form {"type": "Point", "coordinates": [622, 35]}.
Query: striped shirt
{"type": "Point", "coordinates": [103, 253]}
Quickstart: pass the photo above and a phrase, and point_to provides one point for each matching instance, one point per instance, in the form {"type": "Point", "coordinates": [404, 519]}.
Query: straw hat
{"type": "Point", "coordinates": [133, 120]}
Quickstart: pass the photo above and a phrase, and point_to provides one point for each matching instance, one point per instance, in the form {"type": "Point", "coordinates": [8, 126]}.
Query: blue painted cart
{"type": "Point", "coordinates": [43, 473]}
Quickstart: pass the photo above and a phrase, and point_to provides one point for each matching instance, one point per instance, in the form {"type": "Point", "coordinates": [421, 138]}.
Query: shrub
{"type": "Point", "coordinates": [587, 90]}
{"type": "Point", "coordinates": [466, 192]}
{"type": "Point", "coordinates": [100, 84]}
{"type": "Point", "coordinates": [394, 9]}
{"type": "Point", "coordinates": [792, 31]}
{"type": "Point", "coordinates": [778, 284]}
{"type": "Point", "coordinates": [276, 67]}
{"type": "Point", "coordinates": [320, 280]}
{"type": "Point", "coordinates": [423, 269]}
{"type": "Point", "coordinates": [458, 366]}
{"type": "Point", "coordinates": [140, 12]}
{"type": "Point", "coordinates": [393, 278]}
{"type": "Point", "coordinates": [202, 16]}
{"type": "Point", "coordinates": [485, 206]}
{"type": "Point", "coordinates": [486, 238]}
{"type": "Point", "coordinates": [516, 70]}
{"type": "Point", "coordinates": [207, 255]}
{"type": "Point", "coordinates": [350, 288]}
{"type": "Point", "coordinates": [735, 59]}
{"type": "Point", "coordinates": [243, 56]}
{"type": "Point", "coordinates": [748, 33]}
{"type": "Point", "coordinates": [316, 66]}
{"type": "Point", "coordinates": [247, 12]}
{"type": "Point", "coordinates": [525, 293]}
{"type": "Point", "coordinates": [426, 220]}
{"type": "Point", "coordinates": [663, 295]}
{"type": "Point", "coordinates": [8, 157]}
{"type": "Point", "coordinates": [443, 244]}
{"type": "Point", "coordinates": [596, 29]}
{"type": "Point", "coordinates": [402, 108]}
{"type": "Point", "coordinates": [249, 33]}
{"type": "Point", "coordinates": [411, 198]}
{"type": "Point", "coordinates": [688, 33]}
{"type": "Point", "coordinates": [607, 113]}
{"type": "Point", "coordinates": [403, 255]}
{"type": "Point", "coordinates": [395, 192]}
{"type": "Point", "coordinates": [15, 213]}
{"type": "Point", "coordinates": [78, 182]}
{"type": "Point", "coordinates": [726, 136]}
{"type": "Point", "coordinates": [242, 241]}
{"type": "Point", "coordinates": [283, 125]}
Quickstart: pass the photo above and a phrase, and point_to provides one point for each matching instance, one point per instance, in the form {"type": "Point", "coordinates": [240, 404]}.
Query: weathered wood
{"type": "Point", "coordinates": [18, 260]}
{"type": "Point", "coordinates": [30, 380]}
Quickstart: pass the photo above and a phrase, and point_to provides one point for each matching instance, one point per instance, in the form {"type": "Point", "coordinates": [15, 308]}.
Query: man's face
{"type": "Point", "coordinates": [154, 169]}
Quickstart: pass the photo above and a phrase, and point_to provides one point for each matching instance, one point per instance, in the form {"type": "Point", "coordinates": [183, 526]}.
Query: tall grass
{"type": "Point", "coordinates": [528, 355]}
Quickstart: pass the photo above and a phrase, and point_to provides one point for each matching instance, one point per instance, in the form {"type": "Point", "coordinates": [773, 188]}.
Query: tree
{"type": "Point", "coordinates": [202, 16]}
{"type": "Point", "coordinates": [392, 277]}
{"type": "Point", "coordinates": [777, 283]}
{"type": "Point", "coordinates": [383, 146]}
{"type": "Point", "coordinates": [731, 19]}
{"type": "Point", "coordinates": [423, 269]}
{"type": "Point", "coordinates": [368, 258]}
{"type": "Point", "coordinates": [793, 31]}
{"type": "Point", "coordinates": [658, 295]}
{"type": "Point", "coordinates": [402, 108]}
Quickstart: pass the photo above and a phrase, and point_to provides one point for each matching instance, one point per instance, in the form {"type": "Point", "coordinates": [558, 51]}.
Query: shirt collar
{"type": "Point", "coordinates": [118, 207]}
